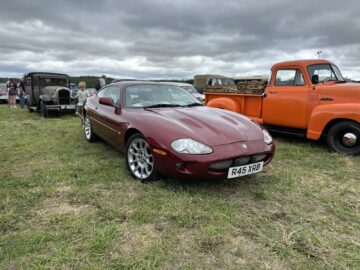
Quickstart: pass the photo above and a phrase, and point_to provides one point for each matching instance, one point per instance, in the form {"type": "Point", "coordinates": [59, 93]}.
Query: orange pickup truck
{"type": "Point", "coordinates": [306, 97]}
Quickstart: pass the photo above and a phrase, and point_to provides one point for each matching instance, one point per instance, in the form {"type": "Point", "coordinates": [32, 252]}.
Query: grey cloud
{"type": "Point", "coordinates": [153, 39]}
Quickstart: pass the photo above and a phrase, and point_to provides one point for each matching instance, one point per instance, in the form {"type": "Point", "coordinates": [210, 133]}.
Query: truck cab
{"type": "Point", "coordinates": [308, 97]}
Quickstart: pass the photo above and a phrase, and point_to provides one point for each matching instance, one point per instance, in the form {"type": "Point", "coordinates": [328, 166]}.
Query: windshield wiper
{"type": "Point", "coordinates": [161, 105]}
{"type": "Point", "coordinates": [193, 104]}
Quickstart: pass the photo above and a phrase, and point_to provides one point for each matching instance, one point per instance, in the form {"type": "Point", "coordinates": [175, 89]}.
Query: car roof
{"type": "Point", "coordinates": [303, 63]}
{"type": "Point", "coordinates": [177, 83]}
{"type": "Point", "coordinates": [128, 83]}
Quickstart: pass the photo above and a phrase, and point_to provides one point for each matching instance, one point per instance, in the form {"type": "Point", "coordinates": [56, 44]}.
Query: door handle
{"type": "Point", "coordinates": [273, 92]}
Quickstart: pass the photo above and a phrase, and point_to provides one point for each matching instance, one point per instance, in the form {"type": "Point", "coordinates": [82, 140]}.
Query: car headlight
{"type": "Point", "coordinates": [267, 137]}
{"type": "Point", "coordinates": [189, 146]}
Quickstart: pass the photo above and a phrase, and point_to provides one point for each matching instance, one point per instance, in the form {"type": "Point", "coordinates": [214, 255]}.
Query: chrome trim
{"type": "Point", "coordinates": [112, 129]}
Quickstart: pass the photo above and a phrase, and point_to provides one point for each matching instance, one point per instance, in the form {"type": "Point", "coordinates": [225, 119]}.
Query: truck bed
{"type": "Point", "coordinates": [246, 104]}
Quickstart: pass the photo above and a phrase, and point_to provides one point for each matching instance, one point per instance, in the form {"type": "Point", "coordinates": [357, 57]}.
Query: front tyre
{"type": "Point", "coordinates": [344, 138]}
{"type": "Point", "coordinates": [139, 159]}
{"type": "Point", "coordinates": [88, 130]}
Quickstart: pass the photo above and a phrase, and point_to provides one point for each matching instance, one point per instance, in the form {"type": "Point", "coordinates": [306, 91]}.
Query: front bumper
{"type": "Point", "coordinates": [69, 107]}
{"type": "Point", "coordinates": [198, 166]}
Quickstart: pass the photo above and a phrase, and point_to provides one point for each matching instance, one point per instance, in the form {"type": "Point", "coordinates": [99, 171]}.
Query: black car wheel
{"type": "Point", "coordinates": [43, 110]}
{"type": "Point", "coordinates": [344, 138]}
{"type": "Point", "coordinates": [88, 130]}
{"type": "Point", "coordinates": [139, 159]}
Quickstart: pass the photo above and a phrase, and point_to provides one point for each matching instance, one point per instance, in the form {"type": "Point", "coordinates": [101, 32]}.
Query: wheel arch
{"type": "Point", "coordinates": [129, 133]}
{"type": "Point", "coordinates": [323, 117]}
{"type": "Point", "coordinates": [224, 103]}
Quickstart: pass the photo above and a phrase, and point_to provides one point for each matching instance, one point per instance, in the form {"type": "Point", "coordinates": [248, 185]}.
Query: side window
{"type": "Point", "coordinates": [110, 91]}
{"type": "Point", "coordinates": [289, 77]}
{"type": "Point", "coordinates": [102, 92]}
{"type": "Point", "coordinates": [114, 93]}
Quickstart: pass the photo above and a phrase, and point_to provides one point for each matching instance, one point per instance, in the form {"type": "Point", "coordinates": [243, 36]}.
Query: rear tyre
{"type": "Point", "coordinates": [139, 159]}
{"type": "Point", "coordinates": [88, 130]}
{"type": "Point", "coordinates": [43, 110]}
{"type": "Point", "coordinates": [344, 138]}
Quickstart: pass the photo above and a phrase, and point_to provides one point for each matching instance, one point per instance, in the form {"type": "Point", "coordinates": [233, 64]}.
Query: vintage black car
{"type": "Point", "coordinates": [48, 92]}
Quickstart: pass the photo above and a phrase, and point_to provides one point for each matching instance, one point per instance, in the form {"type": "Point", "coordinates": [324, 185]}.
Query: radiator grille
{"type": "Point", "coordinates": [64, 97]}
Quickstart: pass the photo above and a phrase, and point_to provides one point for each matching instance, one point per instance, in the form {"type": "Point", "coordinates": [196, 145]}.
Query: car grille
{"type": "Point", "coordinates": [64, 97]}
{"type": "Point", "coordinates": [225, 164]}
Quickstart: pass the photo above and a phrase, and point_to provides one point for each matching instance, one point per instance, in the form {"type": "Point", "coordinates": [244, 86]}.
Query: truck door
{"type": "Point", "coordinates": [286, 99]}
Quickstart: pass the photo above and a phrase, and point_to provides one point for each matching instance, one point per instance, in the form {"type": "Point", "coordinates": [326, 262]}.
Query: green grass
{"type": "Point", "coordinates": [65, 203]}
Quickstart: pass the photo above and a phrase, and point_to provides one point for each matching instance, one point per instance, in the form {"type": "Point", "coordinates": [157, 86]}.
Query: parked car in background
{"type": "Point", "coordinates": [306, 97]}
{"type": "Point", "coordinates": [164, 129]}
{"type": "Point", "coordinates": [91, 91]}
{"type": "Point", "coordinates": [73, 89]}
{"type": "Point", "coordinates": [3, 93]}
{"type": "Point", "coordinates": [190, 89]}
{"type": "Point", "coordinates": [48, 92]}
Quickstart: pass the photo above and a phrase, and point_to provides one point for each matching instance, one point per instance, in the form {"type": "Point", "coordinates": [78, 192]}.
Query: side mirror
{"type": "Point", "coordinates": [106, 101]}
{"type": "Point", "coordinates": [315, 79]}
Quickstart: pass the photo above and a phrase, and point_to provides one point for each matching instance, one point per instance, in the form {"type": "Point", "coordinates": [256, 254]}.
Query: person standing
{"type": "Point", "coordinates": [12, 92]}
{"type": "Point", "coordinates": [82, 95]}
{"type": "Point", "coordinates": [22, 93]}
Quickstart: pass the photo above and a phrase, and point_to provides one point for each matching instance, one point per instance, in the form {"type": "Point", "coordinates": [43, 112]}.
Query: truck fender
{"type": "Point", "coordinates": [224, 103]}
{"type": "Point", "coordinates": [45, 98]}
{"type": "Point", "coordinates": [324, 114]}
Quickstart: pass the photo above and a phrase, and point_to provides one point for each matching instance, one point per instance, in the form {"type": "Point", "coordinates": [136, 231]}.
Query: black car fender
{"type": "Point", "coordinates": [45, 98]}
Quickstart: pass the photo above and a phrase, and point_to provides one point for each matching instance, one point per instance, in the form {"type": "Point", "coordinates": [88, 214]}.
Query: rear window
{"type": "Point", "coordinates": [289, 77]}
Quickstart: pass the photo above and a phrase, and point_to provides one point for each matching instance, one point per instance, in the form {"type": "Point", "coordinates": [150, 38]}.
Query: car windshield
{"type": "Point", "coordinates": [189, 89]}
{"type": "Point", "coordinates": [326, 72]}
{"type": "Point", "coordinates": [143, 96]}
{"type": "Point", "coordinates": [54, 82]}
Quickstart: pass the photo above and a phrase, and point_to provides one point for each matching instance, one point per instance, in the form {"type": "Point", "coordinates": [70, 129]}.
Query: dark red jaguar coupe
{"type": "Point", "coordinates": [163, 129]}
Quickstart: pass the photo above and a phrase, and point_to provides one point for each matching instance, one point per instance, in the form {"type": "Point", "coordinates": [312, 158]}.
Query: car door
{"type": "Point", "coordinates": [286, 99]}
{"type": "Point", "coordinates": [110, 117]}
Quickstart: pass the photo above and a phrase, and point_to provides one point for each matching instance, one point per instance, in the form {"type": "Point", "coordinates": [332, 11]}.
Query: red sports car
{"type": "Point", "coordinates": [164, 129]}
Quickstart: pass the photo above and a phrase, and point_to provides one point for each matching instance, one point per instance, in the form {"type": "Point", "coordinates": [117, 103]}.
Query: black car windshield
{"type": "Point", "coordinates": [326, 72]}
{"type": "Point", "coordinates": [54, 82]}
{"type": "Point", "coordinates": [152, 95]}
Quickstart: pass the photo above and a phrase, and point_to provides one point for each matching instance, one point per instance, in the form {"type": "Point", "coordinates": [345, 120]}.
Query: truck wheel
{"type": "Point", "coordinates": [43, 110]}
{"type": "Point", "coordinates": [88, 130]}
{"type": "Point", "coordinates": [344, 138]}
{"type": "Point", "coordinates": [139, 159]}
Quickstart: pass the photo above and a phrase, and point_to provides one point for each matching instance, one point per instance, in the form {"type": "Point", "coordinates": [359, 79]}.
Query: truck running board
{"type": "Point", "coordinates": [284, 130]}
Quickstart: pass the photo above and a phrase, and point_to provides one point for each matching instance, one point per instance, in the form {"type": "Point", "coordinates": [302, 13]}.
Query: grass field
{"type": "Point", "coordinates": [65, 203]}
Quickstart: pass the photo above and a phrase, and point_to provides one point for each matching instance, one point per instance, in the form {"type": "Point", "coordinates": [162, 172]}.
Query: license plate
{"type": "Point", "coordinates": [245, 170]}
{"type": "Point", "coordinates": [67, 106]}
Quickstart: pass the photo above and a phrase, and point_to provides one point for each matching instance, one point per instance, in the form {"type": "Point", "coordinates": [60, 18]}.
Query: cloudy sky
{"type": "Point", "coordinates": [175, 38]}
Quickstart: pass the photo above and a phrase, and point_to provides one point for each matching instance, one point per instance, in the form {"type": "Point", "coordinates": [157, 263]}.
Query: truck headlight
{"type": "Point", "coordinates": [267, 137]}
{"type": "Point", "coordinates": [189, 146]}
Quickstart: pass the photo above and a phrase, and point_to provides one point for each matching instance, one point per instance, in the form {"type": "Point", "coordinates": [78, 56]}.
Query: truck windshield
{"type": "Point", "coordinates": [54, 82]}
{"type": "Point", "coordinates": [326, 72]}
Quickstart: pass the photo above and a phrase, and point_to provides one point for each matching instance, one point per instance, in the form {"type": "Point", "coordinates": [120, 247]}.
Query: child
{"type": "Point", "coordinates": [82, 95]}
{"type": "Point", "coordinates": [12, 92]}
